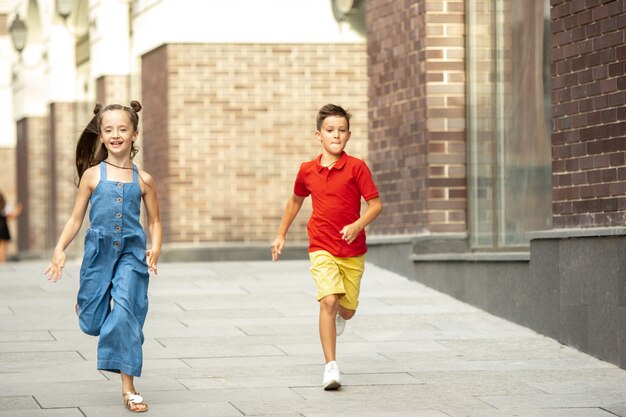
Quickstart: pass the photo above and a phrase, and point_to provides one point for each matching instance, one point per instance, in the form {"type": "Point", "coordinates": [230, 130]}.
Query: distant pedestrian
{"type": "Point", "coordinates": [6, 214]}
{"type": "Point", "coordinates": [113, 293]}
{"type": "Point", "coordinates": [336, 183]}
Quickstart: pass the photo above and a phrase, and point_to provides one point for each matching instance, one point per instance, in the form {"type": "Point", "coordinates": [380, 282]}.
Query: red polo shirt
{"type": "Point", "coordinates": [336, 198]}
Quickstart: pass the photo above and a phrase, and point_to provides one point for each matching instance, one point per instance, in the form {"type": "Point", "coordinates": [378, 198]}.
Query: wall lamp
{"type": "Point", "coordinates": [64, 8]}
{"type": "Point", "coordinates": [19, 30]}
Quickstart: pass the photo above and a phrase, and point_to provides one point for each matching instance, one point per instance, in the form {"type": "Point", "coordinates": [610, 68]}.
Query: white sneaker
{"type": "Point", "coordinates": [332, 379]}
{"type": "Point", "coordinates": [340, 324]}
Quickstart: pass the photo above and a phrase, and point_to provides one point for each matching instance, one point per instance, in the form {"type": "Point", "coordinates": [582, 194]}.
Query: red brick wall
{"type": "Point", "coordinates": [417, 114]}
{"type": "Point", "coordinates": [226, 127]}
{"type": "Point", "coordinates": [589, 112]}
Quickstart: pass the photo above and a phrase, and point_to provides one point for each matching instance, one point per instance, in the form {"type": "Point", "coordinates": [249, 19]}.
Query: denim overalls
{"type": "Point", "coordinates": [114, 269]}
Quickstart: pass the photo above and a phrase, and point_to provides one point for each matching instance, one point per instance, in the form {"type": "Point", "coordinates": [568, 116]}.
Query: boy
{"type": "Point", "coordinates": [336, 183]}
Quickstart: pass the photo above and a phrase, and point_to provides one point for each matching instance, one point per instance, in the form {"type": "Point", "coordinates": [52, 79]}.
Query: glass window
{"type": "Point", "coordinates": [509, 119]}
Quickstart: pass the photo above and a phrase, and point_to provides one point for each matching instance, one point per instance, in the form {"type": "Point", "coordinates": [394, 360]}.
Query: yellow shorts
{"type": "Point", "coordinates": [340, 276]}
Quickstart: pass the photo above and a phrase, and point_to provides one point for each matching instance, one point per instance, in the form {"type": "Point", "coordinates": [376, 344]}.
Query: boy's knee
{"type": "Point", "coordinates": [347, 314]}
{"type": "Point", "coordinates": [330, 302]}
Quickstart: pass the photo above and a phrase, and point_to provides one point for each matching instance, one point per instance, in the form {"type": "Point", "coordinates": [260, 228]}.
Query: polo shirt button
{"type": "Point", "coordinates": [116, 243]}
{"type": "Point", "coordinates": [118, 215]}
{"type": "Point", "coordinates": [120, 185]}
{"type": "Point", "coordinates": [119, 199]}
{"type": "Point", "coordinates": [118, 228]}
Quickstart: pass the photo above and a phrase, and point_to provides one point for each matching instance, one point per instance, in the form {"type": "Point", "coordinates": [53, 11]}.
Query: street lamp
{"type": "Point", "coordinates": [18, 32]}
{"type": "Point", "coordinates": [64, 8]}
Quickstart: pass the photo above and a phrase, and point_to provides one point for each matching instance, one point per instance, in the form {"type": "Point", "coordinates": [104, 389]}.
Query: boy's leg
{"type": "Point", "coordinates": [329, 283]}
{"type": "Point", "coordinates": [328, 336]}
{"type": "Point", "coordinates": [328, 333]}
{"type": "Point", "coordinates": [351, 271]}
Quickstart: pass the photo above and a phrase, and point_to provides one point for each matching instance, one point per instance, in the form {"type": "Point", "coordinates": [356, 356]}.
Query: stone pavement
{"type": "Point", "coordinates": [240, 339]}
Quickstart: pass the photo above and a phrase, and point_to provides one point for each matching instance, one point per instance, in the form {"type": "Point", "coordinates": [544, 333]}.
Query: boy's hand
{"type": "Point", "coordinates": [55, 269]}
{"type": "Point", "coordinates": [277, 247]}
{"type": "Point", "coordinates": [350, 232]}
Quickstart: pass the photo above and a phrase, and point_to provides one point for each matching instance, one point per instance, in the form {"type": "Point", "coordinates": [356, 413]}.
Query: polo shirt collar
{"type": "Point", "coordinates": [338, 165]}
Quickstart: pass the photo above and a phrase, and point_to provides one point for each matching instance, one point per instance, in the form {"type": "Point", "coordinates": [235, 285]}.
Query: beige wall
{"type": "Point", "coordinates": [225, 127]}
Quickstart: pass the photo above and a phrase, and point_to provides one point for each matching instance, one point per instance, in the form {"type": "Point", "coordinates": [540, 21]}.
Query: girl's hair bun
{"type": "Point", "coordinates": [135, 105]}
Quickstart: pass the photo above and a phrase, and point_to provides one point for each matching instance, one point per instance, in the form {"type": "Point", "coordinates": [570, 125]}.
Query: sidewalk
{"type": "Point", "coordinates": [240, 339]}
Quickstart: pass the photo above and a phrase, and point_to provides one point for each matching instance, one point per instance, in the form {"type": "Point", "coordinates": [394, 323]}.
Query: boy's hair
{"type": "Point", "coordinates": [89, 151]}
{"type": "Point", "coordinates": [332, 110]}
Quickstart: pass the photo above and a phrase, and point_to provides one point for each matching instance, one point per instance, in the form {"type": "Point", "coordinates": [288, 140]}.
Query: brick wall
{"type": "Point", "coordinates": [417, 114]}
{"type": "Point", "coordinates": [112, 89]}
{"type": "Point", "coordinates": [589, 112]}
{"type": "Point", "coordinates": [227, 126]}
{"type": "Point", "coordinates": [33, 182]}
{"type": "Point", "coordinates": [66, 123]}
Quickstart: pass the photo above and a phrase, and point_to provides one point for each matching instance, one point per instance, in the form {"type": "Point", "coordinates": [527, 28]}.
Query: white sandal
{"type": "Point", "coordinates": [134, 402]}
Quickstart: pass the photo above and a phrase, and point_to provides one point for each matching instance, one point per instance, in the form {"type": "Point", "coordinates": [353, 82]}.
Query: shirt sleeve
{"type": "Point", "coordinates": [299, 187]}
{"type": "Point", "coordinates": [364, 181]}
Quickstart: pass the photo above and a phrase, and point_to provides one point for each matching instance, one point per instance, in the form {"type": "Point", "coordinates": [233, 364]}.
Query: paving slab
{"type": "Point", "coordinates": [227, 339]}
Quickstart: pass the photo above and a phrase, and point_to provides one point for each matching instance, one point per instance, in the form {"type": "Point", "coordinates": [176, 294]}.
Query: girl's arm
{"type": "Point", "coordinates": [291, 211]}
{"type": "Point", "coordinates": [73, 225]}
{"type": "Point", "coordinates": [154, 221]}
{"type": "Point", "coordinates": [374, 207]}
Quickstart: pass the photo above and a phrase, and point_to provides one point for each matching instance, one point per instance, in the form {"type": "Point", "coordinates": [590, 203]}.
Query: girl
{"type": "Point", "coordinates": [116, 263]}
{"type": "Point", "coordinates": [5, 235]}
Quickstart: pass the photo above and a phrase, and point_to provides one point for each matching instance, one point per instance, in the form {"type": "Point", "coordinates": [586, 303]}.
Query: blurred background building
{"type": "Point", "coordinates": [230, 91]}
{"type": "Point", "coordinates": [495, 130]}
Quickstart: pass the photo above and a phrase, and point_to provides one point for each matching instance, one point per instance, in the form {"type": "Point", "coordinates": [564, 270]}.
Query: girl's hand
{"type": "Point", "coordinates": [152, 257]}
{"type": "Point", "coordinates": [55, 269]}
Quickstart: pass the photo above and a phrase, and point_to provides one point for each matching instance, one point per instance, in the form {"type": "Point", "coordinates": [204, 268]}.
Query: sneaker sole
{"type": "Point", "coordinates": [332, 385]}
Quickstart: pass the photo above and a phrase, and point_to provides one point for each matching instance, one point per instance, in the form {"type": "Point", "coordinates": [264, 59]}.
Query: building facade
{"type": "Point", "coordinates": [497, 136]}
{"type": "Point", "coordinates": [229, 106]}
{"type": "Point", "coordinates": [495, 130]}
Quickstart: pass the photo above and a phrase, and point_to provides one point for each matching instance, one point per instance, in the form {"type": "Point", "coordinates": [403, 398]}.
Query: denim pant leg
{"type": "Point", "coordinates": [94, 294]}
{"type": "Point", "coordinates": [121, 337]}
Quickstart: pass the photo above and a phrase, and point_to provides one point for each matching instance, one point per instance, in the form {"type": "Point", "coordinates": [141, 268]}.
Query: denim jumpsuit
{"type": "Point", "coordinates": [114, 269]}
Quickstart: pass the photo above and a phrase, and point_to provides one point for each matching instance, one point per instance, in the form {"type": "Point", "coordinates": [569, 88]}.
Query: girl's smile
{"type": "Point", "coordinates": [117, 133]}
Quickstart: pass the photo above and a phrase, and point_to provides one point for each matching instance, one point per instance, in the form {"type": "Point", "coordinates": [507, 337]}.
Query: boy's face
{"type": "Point", "coordinates": [334, 135]}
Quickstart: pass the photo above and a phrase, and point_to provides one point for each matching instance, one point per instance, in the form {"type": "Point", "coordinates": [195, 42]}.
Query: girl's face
{"type": "Point", "coordinates": [333, 135]}
{"type": "Point", "coordinates": [117, 133]}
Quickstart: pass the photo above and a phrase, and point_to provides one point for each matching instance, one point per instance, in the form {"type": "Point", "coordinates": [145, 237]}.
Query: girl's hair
{"type": "Point", "coordinates": [3, 203]}
{"type": "Point", "coordinates": [89, 150]}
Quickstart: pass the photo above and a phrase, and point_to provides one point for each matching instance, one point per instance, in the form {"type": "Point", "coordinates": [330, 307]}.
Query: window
{"type": "Point", "coordinates": [509, 119]}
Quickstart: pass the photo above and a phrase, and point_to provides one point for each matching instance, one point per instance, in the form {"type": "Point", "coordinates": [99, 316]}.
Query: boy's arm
{"type": "Point", "coordinates": [350, 232]}
{"type": "Point", "coordinates": [291, 210]}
